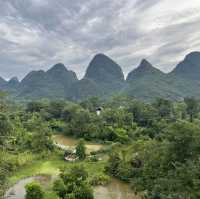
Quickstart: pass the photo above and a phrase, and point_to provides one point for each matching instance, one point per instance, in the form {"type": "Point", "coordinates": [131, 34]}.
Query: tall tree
{"type": "Point", "coordinates": [3, 104]}
{"type": "Point", "coordinates": [34, 106]}
{"type": "Point", "coordinates": [5, 128]}
{"type": "Point", "coordinates": [164, 107]}
{"type": "Point", "coordinates": [81, 150]}
{"type": "Point", "coordinates": [192, 107]}
{"type": "Point", "coordinates": [40, 133]}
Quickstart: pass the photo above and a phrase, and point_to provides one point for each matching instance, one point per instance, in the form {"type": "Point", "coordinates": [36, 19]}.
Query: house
{"type": "Point", "coordinates": [98, 110]}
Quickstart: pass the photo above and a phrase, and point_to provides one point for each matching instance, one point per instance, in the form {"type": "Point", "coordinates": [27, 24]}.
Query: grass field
{"type": "Point", "coordinates": [52, 165]}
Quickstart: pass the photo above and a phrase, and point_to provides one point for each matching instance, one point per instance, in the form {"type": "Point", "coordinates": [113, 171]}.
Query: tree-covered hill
{"type": "Point", "coordinates": [147, 83]}
{"type": "Point", "coordinates": [2, 82]}
{"type": "Point", "coordinates": [84, 89]}
{"type": "Point", "coordinates": [189, 68]}
{"type": "Point", "coordinates": [54, 83]}
{"type": "Point", "coordinates": [104, 77]}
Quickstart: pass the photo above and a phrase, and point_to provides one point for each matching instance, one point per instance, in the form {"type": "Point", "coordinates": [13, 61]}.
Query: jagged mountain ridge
{"type": "Point", "coordinates": [147, 83]}
{"type": "Point", "coordinates": [2, 82]}
{"type": "Point", "coordinates": [54, 83]}
{"type": "Point", "coordinates": [102, 69]}
{"type": "Point", "coordinates": [145, 68]}
{"type": "Point", "coordinates": [106, 74]}
{"type": "Point", "coordinates": [189, 68]}
{"type": "Point", "coordinates": [14, 81]}
{"type": "Point", "coordinates": [104, 77]}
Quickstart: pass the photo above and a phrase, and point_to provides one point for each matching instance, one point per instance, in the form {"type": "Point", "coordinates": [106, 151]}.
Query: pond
{"type": "Point", "coordinates": [115, 190]}
{"type": "Point", "coordinates": [65, 142]}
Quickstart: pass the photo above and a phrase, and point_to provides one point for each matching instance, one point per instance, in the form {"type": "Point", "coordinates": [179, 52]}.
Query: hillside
{"type": "Point", "coordinates": [104, 78]}
{"type": "Point", "coordinates": [147, 83]}
{"type": "Point", "coordinates": [102, 69]}
{"type": "Point", "coordinates": [2, 82]}
{"type": "Point", "coordinates": [84, 89]}
{"type": "Point", "coordinates": [106, 73]}
{"type": "Point", "coordinates": [54, 83]}
{"type": "Point", "coordinates": [186, 75]}
{"type": "Point", "coordinates": [189, 68]}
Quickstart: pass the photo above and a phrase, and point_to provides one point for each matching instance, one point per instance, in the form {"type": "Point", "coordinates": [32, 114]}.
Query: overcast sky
{"type": "Point", "coordinates": [36, 34]}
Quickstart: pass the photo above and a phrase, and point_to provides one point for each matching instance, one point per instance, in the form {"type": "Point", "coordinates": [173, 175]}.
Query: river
{"type": "Point", "coordinates": [115, 190]}
{"type": "Point", "coordinates": [18, 190]}
{"type": "Point", "coordinates": [70, 143]}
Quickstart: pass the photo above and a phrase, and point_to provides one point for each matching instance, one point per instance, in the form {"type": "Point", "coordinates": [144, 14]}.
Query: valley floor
{"type": "Point", "coordinates": [49, 168]}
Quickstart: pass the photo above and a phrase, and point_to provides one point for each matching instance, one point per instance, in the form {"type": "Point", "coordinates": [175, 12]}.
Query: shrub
{"type": "Point", "coordinates": [34, 191]}
{"type": "Point", "coordinates": [100, 180]}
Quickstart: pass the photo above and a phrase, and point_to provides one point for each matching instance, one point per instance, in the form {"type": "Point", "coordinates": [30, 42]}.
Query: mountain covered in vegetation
{"type": "Point", "coordinates": [104, 77]}
{"type": "Point", "coordinates": [54, 83]}
{"type": "Point", "coordinates": [2, 82]}
{"type": "Point", "coordinates": [189, 68]}
{"type": "Point", "coordinates": [147, 83]}
{"type": "Point", "coordinates": [13, 82]}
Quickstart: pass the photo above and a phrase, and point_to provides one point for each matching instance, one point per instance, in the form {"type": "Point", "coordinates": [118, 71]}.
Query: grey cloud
{"type": "Point", "coordinates": [36, 34]}
{"type": "Point", "coordinates": [143, 5]}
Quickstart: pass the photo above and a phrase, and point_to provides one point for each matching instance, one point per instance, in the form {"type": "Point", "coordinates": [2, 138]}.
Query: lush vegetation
{"type": "Point", "coordinates": [154, 147]}
{"type": "Point", "coordinates": [34, 191]}
{"type": "Point", "coordinates": [73, 184]}
{"type": "Point", "coordinates": [163, 161]}
{"type": "Point", "coordinates": [81, 150]}
{"type": "Point", "coordinates": [24, 138]}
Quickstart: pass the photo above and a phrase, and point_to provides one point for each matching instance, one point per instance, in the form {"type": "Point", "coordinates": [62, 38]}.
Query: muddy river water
{"type": "Point", "coordinates": [115, 190]}
{"type": "Point", "coordinates": [18, 190]}
{"type": "Point", "coordinates": [70, 143]}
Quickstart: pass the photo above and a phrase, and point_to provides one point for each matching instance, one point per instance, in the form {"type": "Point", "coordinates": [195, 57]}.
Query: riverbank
{"type": "Point", "coordinates": [65, 142]}
{"type": "Point", "coordinates": [115, 189]}
{"type": "Point", "coordinates": [50, 167]}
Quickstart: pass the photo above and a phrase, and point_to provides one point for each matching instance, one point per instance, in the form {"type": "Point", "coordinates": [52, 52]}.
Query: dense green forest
{"type": "Point", "coordinates": [152, 146]}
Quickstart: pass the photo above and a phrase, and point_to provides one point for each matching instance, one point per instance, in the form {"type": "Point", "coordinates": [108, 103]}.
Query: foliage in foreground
{"type": "Point", "coordinates": [81, 150]}
{"type": "Point", "coordinates": [165, 169]}
{"type": "Point", "coordinates": [159, 142]}
{"type": "Point", "coordinates": [34, 191]}
{"type": "Point", "coordinates": [73, 184]}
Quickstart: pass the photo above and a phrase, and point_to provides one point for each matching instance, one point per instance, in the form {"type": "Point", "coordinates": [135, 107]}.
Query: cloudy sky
{"type": "Point", "coordinates": [35, 34]}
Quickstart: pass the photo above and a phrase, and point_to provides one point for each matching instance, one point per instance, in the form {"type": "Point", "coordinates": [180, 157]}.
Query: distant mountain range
{"type": "Point", "coordinates": [104, 77]}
